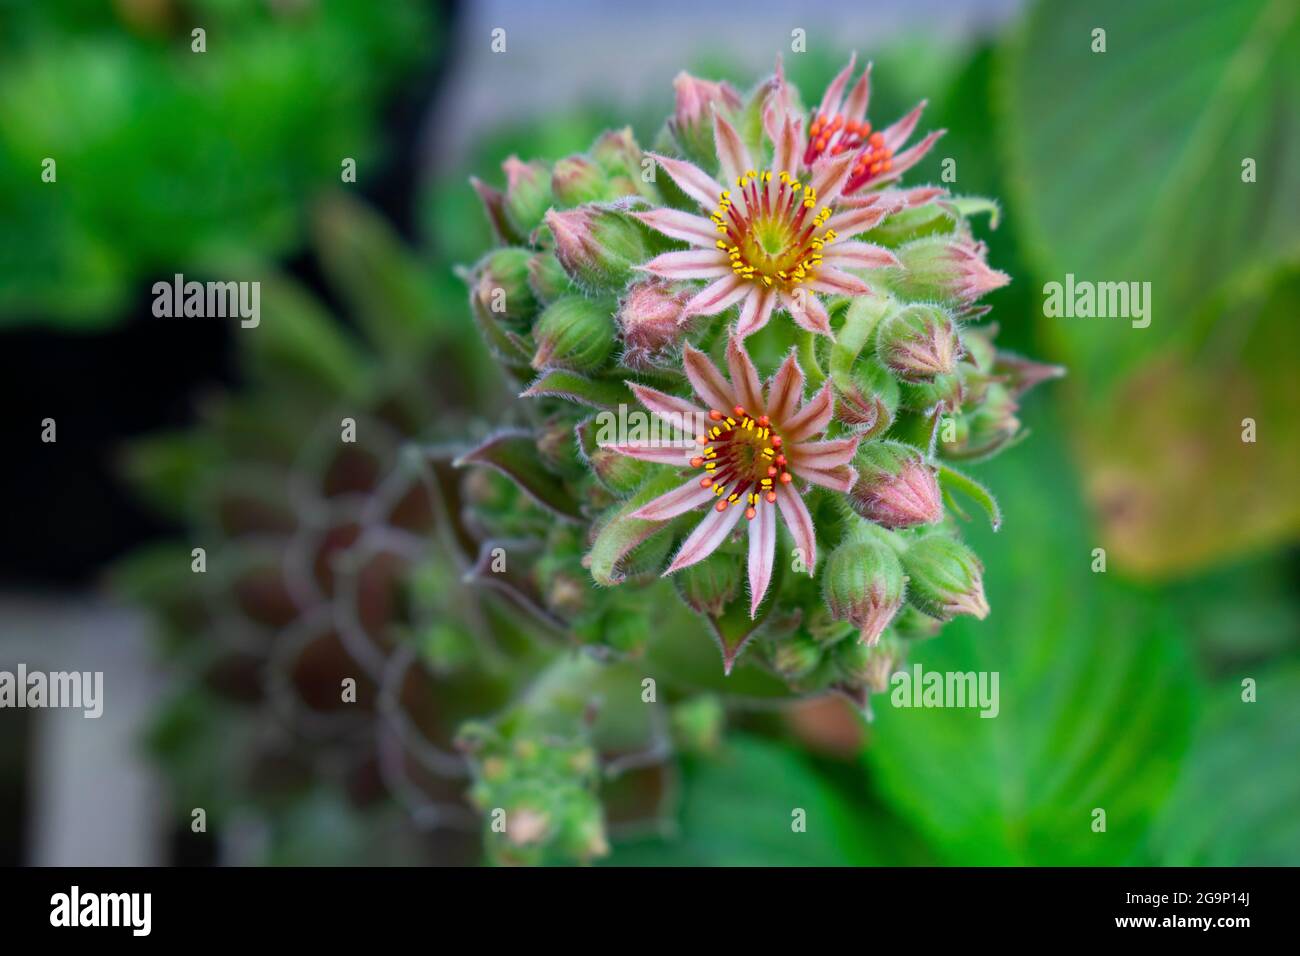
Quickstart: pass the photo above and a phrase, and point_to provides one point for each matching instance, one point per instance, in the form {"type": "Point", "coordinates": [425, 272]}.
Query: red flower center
{"type": "Point", "coordinates": [876, 157]}
{"type": "Point", "coordinates": [742, 457]}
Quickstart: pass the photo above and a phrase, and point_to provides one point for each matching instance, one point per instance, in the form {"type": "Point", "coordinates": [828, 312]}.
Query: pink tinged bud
{"type": "Point", "coordinates": [950, 270]}
{"type": "Point", "coordinates": [896, 488]}
{"type": "Point", "coordinates": [576, 180]}
{"type": "Point", "coordinates": [987, 428]}
{"type": "Point", "coordinates": [945, 578]}
{"type": "Point", "coordinates": [797, 657]}
{"type": "Point", "coordinates": [710, 585]}
{"type": "Point", "coordinates": [597, 247]}
{"type": "Point", "coordinates": [648, 319]}
{"type": "Point", "coordinates": [528, 194]}
{"type": "Point", "coordinates": [692, 121]}
{"type": "Point", "coordinates": [919, 343]}
{"type": "Point", "coordinates": [869, 666]}
{"type": "Point", "coordinates": [863, 584]}
{"type": "Point", "coordinates": [1022, 374]}
{"type": "Point", "coordinates": [501, 288]}
{"type": "Point", "coordinates": [574, 333]}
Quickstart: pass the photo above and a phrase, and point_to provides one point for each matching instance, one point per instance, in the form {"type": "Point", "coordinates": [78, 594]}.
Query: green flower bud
{"type": "Point", "coordinates": [948, 269]}
{"type": "Point", "coordinates": [869, 666]}
{"type": "Point", "coordinates": [919, 343]}
{"type": "Point", "coordinates": [576, 180]}
{"type": "Point", "coordinates": [547, 278]}
{"type": "Point", "coordinates": [797, 657]}
{"type": "Point", "coordinates": [913, 625]}
{"type": "Point", "coordinates": [944, 391]}
{"type": "Point", "coordinates": [691, 124]}
{"type": "Point", "coordinates": [863, 584]}
{"type": "Point", "coordinates": [945, 578]}
{"type": "Point", "coordinates": [896, 487]}
{"type": "Point", "coordinates": [988, 428]}
{"type": "Point", "coordinates": [710, 585]}
{"type": "Point", "coordinates": [621, 158]}
{"type": "Point", "coordinates": [597, 247]}
{"type": "Point", "coordinates": [501, 288]}
{"type": "Point", "coordinates": [914, 222]}
{"type": "Point", "coordinates": [528, 193]}
{"type": "Point", "coordinates": [575, 333]}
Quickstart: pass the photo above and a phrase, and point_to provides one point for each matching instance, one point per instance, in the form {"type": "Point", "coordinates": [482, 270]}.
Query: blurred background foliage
{"type": "Point", "coordinates": [1120, 690]}
{"type": "Point", "coordinates": [169, 159]}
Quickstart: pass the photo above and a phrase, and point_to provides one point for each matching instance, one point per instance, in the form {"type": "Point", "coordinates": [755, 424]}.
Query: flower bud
{"type": "Point", "coordinates": [944, 391]}
{"type": "Point", "coordinates": [621, 158]}
{"type": "Point", "coordinates": [597, 247]}
{"type": "Point", "coordinates": [914, 222]}
{"type": "Point", "coordinates": [948, 269]}
{"type": "Point", "coordinates": [547, 278]}
{"type": "Point", "coordinates": [501, 288]}
{"type": "Point", "coordinates": [528, 193]}
{"type": "Point", "coordinates": [692, 121]}
{"type": "Point", "coordinates": [919, 343]}
{"type": "Point", "coordinates": [869, 666]}
{"type": "Point", "coordinates": [575, 333]}
{"type": "Point", "coordinates": [912, 625]}
{"type": "Point", "coordinates": [945, 578]}
{"type": "Point", "coordinates": [989, 427]}
{"type": "Point", "coordinates": [709, 586]}
{"type": "Point", "coordinates": [896, 487]}
{"type": "Point", "coordinates": [797, 657]}
{"type": "Point", "coordinates": [868, 402]}
{"type": "Point", "coordinates": [863, 584]}
{"type": "Point", "coordinates": [576, 180]}
{"type": "Point", "coordinates": [648, 319]}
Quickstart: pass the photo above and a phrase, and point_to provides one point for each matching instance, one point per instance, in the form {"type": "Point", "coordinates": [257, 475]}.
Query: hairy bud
{"type": "Point", "coordinates": [597, 247]}
{"type": "Point", "coordinates": [863, 584]}
{"type": "Point", "coordinates": [896, 487]}
{"type": "Point", "coordinates": [945, 578]}
{"type": "Point", "coordinates": [574, 333]}
{"type": "Point", "coordinates": [918, 343]}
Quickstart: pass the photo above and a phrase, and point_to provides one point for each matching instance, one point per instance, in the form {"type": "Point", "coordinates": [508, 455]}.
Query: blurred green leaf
{"type": "Point", "coordinates": [1235, 804]}
{"type": "Point", "coordinates": [1127, 164]}
{"type": "Point", "coordinates": [1095, 694]}
{"type": "Point", "coordinates": [737, 810]}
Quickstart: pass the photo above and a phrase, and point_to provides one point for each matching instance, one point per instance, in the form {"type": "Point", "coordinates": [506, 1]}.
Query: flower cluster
{"type": "Point", "coordinates": [749, 355]}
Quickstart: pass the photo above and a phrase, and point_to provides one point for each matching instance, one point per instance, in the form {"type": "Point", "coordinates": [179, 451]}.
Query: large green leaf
{"type": "Point", "coordinates": [1095, 694]}
{"type": "Point", "coordinates": [737, 809]}
{"type": "Point", "coordinates": [1236, 803]}
{"type": "Point", "coordinates": [1127, 164]}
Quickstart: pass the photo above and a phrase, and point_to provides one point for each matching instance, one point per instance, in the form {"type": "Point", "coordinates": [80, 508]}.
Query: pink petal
{"type": "Point", "coordinates": [835, 92]}
{"type": "Point", "coordinates": [859, 255]}
{"type": "Point", "coordinates": [707, 381]}
{"type": "Point", "coordinates": [669, 408]}
{"type": "Point", "coordinates": [777, 108]}
{"type": "Point", "coordinates": [708, 534]}
{"type": "Point", "coordinates": [744, 378]}
{"type": "Point", "coordinates": [896, 135]}
{"type": "Point", "coordinates": [807, 310]}
{"type": "Point", "coordinates": [757, 310]}
{"type": "Point", "coordinates": [686, 226]}
{"type": "Point", "coordinates": [696, 183]}
{"type": "Point", "coordinates": [813, 418]}
{"type": "Point", "coordinates": [693, 264]}
{"type": "Point", "coordinates": [661, 454]}
{"type": "Point", "coordinates": [849, 222]}
{"type": "Point", "coordinates": [786, 390]}
{"type": "Point", "coordinates": [830, 175]}
{"type": "Point", "coordinates": [821, 454]}
{"type": "Point", "coordinates": [732, 153]}
{"type": "Point", "coordinates": [678, 501]}
{"type": "Point", "coordinates": [800, 523]}
{"type": "Point", "coordinates": [855, 110]}
{"type": "Point", "coordinates": [841, 478]}
{"type": "Point", "coordinates": [718, 295]}
{"type": "Point", "coordinates": [762, 555]}
{"type": "Point", "coordinates": [833, 281]}
{"type": "Point", "coordinates": [910, 157]}
{"type": "Point", "coordinates": [786, 142]}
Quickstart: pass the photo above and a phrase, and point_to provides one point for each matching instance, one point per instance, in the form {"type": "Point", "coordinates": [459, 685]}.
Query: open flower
{"type": "Point", "coordinates": [770, 239]}
{"type": "Point", "coordinates": [839, 127]}
{"type": "Point", "coordinates": [751, 445]}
